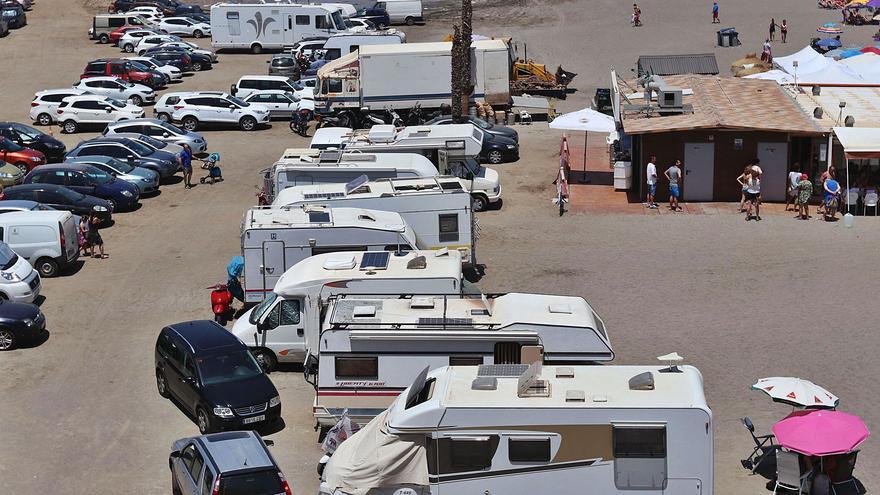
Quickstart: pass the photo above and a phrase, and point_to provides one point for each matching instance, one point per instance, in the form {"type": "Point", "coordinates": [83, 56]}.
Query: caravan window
{"type": "Point", "coordinates": [448, 227]}
{"type": "Point", "coordinates": [528, 449]}
{"type": "Point", "coordinates": [639, 442]}
{"type": "Point", "coordinates": [353, 367]}
{"type": "Point", "coordinates": [321, 22]}
{"type": "Point", "coordinates": [302, 20]}
{"type": "Point", "coordinates": [290, 312]}
{"type": "Point", "coordinates": [639, 457]}
{"type": "Point", "coordinates": [461, 454]}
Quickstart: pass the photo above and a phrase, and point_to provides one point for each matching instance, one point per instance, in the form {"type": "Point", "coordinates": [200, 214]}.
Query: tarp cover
{"type": "Point", "coordinates": [373, 458]}
{"type": "Point", "coordinates": [859, 142]}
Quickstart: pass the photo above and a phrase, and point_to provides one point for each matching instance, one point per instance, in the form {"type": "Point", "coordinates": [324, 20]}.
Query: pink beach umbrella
{"type": "Point", "coordinates": [821, 432]}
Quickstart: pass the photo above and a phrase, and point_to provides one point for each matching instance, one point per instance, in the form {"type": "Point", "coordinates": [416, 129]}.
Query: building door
{"type": "Point", "coordinates": [699, 171]}
{"type": "Point", "coordinates": [774, 163]}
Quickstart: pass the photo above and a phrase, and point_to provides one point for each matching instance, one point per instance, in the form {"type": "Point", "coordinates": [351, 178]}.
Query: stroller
{"type": "Point", "coordinates": [214, 172]}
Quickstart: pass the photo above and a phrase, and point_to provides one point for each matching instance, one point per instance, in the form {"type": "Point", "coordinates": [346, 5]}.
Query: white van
{"type": "Point", "coordinates": [407, 12]}
{"type": "Point", "coordinates": [47, 239]}
{"type": "Point", "coordinates": [103, 24]}
{"type": "Point", "coordinates": [19, 282]}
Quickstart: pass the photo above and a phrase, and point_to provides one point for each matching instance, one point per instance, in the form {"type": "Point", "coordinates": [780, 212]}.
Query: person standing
{"type": "Point", "coordinates": [651, 179]}
{"type": "Point", "coordinates": [832, 197]}
{"type": "Point", "coordinates": [94, 237]}
{"type": "Point", "coordinates": [772, 29]}
{"type": "Point", "coordinates": [767, 52]}
{"type": "Point", "coordinates": [783, 30]}
{"type": "Point", "coordinates": [673, 174]}
{"type": "Point", "coordinates": [83, 235]}
{"type": "Point", "coordinates": [715, 13]}
{"type": "Point", "coordinates": [743, 180]}
{"type": "Point", "coordinates": [805, 192]}
{"type": "Point", "coordinates": [794, 178]}
{"type": "Point", "coordinates": [753, 192]}
{"type": "Point", "coordinates": [636, 16]}
{"type": "Point", "coordinates": [186, 163]}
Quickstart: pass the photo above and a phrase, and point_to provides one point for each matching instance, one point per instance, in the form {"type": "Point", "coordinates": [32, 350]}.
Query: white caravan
{"type": "Point", "coordinates": [557, 429]}
{"type": "Point", "coordinates": [369, 349]}
{"type": "Point", "coordinates": [259, 26]}
{"type": "Point", "coordinates": [453, 149]}
{"type": "Point", "coordinates": [275, 239]}
{"type": "Point", "coordinates": [438, 209]}
{"type": "Point", "coordinates": [344, 43]}
{"type": "Point", "coordinates": [295, 308]}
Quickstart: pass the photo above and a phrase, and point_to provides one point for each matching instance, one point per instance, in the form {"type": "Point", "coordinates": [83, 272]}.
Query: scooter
{"type": "Point", "coordinates": [299, 122]}
{"type": "Point", "coordinates": [221, 302]}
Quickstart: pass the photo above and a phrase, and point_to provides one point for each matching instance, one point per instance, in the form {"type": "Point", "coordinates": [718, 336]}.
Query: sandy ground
{"type": "Point", "coordinates": [739, 300]}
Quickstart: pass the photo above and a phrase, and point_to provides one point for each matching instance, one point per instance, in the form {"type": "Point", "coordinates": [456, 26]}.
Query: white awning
{"type": "Point", "coordinates": [859, 142]}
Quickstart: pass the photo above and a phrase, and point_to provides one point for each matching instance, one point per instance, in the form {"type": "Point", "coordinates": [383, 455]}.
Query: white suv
{"type": "Point", "coordinates": [117, 89]}
{"type": "Point", "coordinates": [184, 26]}
{"type": "Point", "coordinates": [132, 37]}
{"type": "Point", "coordinates": [94, 109]}
{"type": "Point", "coordinates": [193, 110]}
{"type": "Point", "coordinates": [148, 42]}
{"type": "Point", "coordinates": [164, 106]}
{"type": "Point", "coordinates": [45, 103]}
{"type": "Point", "coordinates": [252, 83]}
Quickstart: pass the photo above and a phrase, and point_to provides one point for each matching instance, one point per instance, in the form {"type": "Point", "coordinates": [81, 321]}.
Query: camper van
{"type": "Point", "coordinates": [295, 308]}
{"type": "Point", "coordinates": [262, 26]}
{"type": "Point", "coordinates": [529, 429]}
{"type": "Point", "coordinates": [452, 148]}
{"type": "Point", "coordinates": [370, 349]}
{"type": "Point", "coordinates": [344, 43]}
{"type": "Point", "coordinates": [437, 209]}
{"type": "Point", "coordinates": [275, 239]}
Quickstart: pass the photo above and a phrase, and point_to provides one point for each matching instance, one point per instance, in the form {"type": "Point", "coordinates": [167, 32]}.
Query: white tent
{"type": "Point", "coordinates": [858, 143]}
{"type": "Point", "coordinates": [835, 74]}
{"type": "Point", "coordinates": [866, 65]}
{"type": "Point", "coordinates": [808, 60]}
{"type": "Point", "coordinates": [781, 77]}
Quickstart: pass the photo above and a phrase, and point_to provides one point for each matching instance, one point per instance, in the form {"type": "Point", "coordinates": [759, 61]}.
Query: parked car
{"type": "Point", "coordinates": [164, 106]}
{"type": "Point", "coordinates": [90, 180]}
{"type": "Point", "coordinates": [182, 9]}
{"type": "Point", "coordinates": [104, 24]}
{"type": "Point", "coordinates": [10, 174]}
{"type": "Point", "coordinates": [146, 180]}
{"type": "Point", "coordinates": [252, 83]}
{"type": "Point", "coordinates": [281, 104]}
{"type": "Point", "coordinates": [19, 282]}
{"type": "Point", "coordinates": [165, 6]}
{"type": "Point", "coordinates": [14, 15]}
{"type": "Point", "coordinates": [11, 205]}
{"type": "Point", "coordinates": [125, 70]}
{"type": "Point", "coordinates": [179, 60]}
{"type": "Point", "coordinates": [378, 16]}
{"type": "Point", "coordinates": [198, 61]}
{"type": "Point", "coordinates": [163, 131]}
{"type": "Point", "coordinates": [152, 11]}
{"type": "Point", "coordinates": [170, 72]}
{"type": "Point", "coordinates": [76, 111]}
{"type": "Point", "coordinates": [284, 65]}
{"type": "Point", "coordinates": [19, 322]}
{"type": "Point", "coordinates": [498, 149]}
{"type": "Point", "coordinates": [189, 47]}
{"type": "Point", "coordinates": [59, 198]}
{"type": "Point", "coordinates": [359, 25]}
{"type": "Point", "coordinates": [198, 16]}
{"type": "Point", "coordinates": [118, 33]}
{"type": "Point", "coordinates": [47, 239]}
{"type": "Point", "coordinates": [4, 26]}
{"type": "Point", "coordinates": [26, 4]}
{"type": "Point", "coordinates": [44, 107]}
{"type": "Point", "coordinates": [184, 26]}
{"type": "Point", "coordinates": [486, 127]}
{"type": "Point", "coordinates": [27, 136]}
{"type": "Point", "coordinates": [193, 111]}
{"type": "Point", "coordinates": [150, 41]}
{"type": "Point", "coordinates": [131, 151]}
{"type": "Point", "coordinates": [149, 18]}
{"type": "Point", "coordinates": [117, 89]}
{"type": "Point", "coordinates": [214, 377]}
{"type": "Point", "coordinates": [128, 41]}
{"type": "Point", "coordinates": [235, 462]}
{"type": "Point", "coordinates": [23, 158]}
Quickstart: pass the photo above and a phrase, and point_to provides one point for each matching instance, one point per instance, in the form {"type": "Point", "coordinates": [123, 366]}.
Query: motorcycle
{"type": "Point", "coordinates": [328, 121]}
{"type": "Point", "coordinates": [299, 122]}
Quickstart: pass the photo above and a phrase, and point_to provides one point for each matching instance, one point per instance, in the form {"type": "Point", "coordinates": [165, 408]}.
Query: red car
{"type": "Point", "coordinates": [123, 69]}
{"type": "Point", "coordinates": [24, 158]}
{"type": "Point", "coordinates": [118, 32]}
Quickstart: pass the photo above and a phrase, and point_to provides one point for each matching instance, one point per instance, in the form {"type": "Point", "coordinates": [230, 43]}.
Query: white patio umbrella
{"type": "Point", "coordinates": [796, 392]}
{"type": "Point", "coordinates": [587, 120]}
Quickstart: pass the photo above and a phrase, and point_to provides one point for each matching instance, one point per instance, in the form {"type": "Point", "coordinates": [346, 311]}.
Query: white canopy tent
{"type": "Point", "coordinates": [858, 143]}
{"type": "Point", "coordinates": [866, 65]}
{"type": "Point", "coordinates": [587, 120]}
{"type": "Point", "coordinates": [780, 76]}
{"type": "Point", "coordinates": [808, 60]}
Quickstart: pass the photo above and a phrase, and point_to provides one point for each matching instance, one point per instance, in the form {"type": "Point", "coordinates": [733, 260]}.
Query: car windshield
{"type": "Point", "coordinates": [26, 131]}
{"type": "Point", "coordinates": [141, 66]}
{"type": "Point", "coordinates": [7, 256]}
{"type": "Point", "coordinates": [482, 124]}
{"type": "Point", "coordinates": [266, 481]}
{"type": "Point", "coordinates": [257, 313]}
{"type": "Point", "coordinates": [139, 148]}
{"type": "Point", "coordinates": [7, 145]}
{"type": "Point", "coordinates": [120, 166]}
{"type": "Point", "coordinates": [170, 128]}
{"type": "Point", "coordinates": [70, 194]}
{"type": "Point", "coordinates": [155, 143]}
{"type": "Point", "coordinates": [239, 102]}
{"type": "Point", "coordinates": [337, 20]}
{"type": "Point", "coordinates": [234, 366]}
{"type": "Point", "coordinates": [283, 62]}
{"type": "Point", "coordinates": [99, 176]}
{"type": "Point", "coordinates": [115, 103]}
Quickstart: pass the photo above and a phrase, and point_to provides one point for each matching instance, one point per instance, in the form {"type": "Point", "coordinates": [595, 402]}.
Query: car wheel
{"type": "Point", "coordinates": [196, 66]}
{"type": "Point", "coordinates": [247, 123]}
{"type": "Point", "coordinates": [162, 384]}
{"type": "Point", "coordinates": [266, 358]}
{"type": "Point", "coordinates": [190, 123]}
{"type": "Point", "coordinates": [198, 33]}
{"type": "Point", "coordinates": [137, 100]}
{"type": "Point", "coordinates": [104, 39]}
{"type": "Point", "coordinates": [112, 204]}
{"type": "Point", "coordinates": [480, 202]}
{"type": "Point", "coordinates": [203, 421]}
{"type": "Point", "coordinates": [22, 166]}
{"type": "Point", "coordinates": [164, 117]}
{"type": "Point", "coordinates": [495, 157]}
{"type": "Point", "coordinates": [7, 339]}
{"type": "Point", "coordinates": [256, 49]}
{"type": "Point", "coordinates": [70, 126]}
{"type": "Point", "coordinates": [410, 21]}
{"type": "Point", "coordinates": [44, 119]}
{"type": "Point", "coordinates": [47, 267]}
{"type": "Point", "coordinates": [129, 48]}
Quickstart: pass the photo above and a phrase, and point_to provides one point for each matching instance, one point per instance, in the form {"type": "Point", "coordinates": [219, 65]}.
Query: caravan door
{"type": "Point", "coordinates": [273, 263]}
{"type": "Point", "coordinates": [290, 22]}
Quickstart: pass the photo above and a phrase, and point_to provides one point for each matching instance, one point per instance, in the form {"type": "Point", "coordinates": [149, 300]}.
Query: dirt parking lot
{"type": "Point", "coordinates": [80, 412]}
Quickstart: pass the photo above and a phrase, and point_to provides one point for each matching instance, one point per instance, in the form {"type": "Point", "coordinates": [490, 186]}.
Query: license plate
{"type": "Point", "coordinates": [254, 419]}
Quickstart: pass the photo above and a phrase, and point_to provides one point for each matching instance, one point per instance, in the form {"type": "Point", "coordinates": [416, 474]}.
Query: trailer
{"type": "Point", "coordinates": [271, 26]}
{"type": "Point", "coordinates": [275, 239]}
{"type": "Point", "coordinates": [461, 430]}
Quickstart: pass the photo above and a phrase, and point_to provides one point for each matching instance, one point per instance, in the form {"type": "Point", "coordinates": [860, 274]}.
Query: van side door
{"type": "Point", "coordinates": [284, 332]}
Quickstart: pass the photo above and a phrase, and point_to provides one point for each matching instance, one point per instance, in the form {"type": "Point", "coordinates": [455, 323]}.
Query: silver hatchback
{"type": "Point", "coordinates": [161, 131]}
{"type": "Point", "coordinates": [146, 180]}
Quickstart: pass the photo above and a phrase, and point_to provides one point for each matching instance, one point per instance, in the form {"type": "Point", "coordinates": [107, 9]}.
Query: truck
{"type": "Point", "coordinates": [275, 239]}
{"type": "Point", "coordinates": [275, 26]}
{"type": "Point", "coordinates": [403, 77]}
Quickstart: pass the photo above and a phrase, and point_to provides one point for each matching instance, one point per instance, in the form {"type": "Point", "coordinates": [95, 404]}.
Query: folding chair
{"type": "Point", "coordinates": [870, 201]}
{"type": "Point", "coordinates": [842, 480]}
{"type": "Point", "coordinates": [788, 472]}
{"type": "Point", "coordinates": [764, 448]}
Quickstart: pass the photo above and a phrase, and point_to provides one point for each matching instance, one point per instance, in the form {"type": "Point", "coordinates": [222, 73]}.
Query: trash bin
{"type": "Point", "coordinates": [728, 37]}
{"type": "Point", "coordinates": [622, 175]}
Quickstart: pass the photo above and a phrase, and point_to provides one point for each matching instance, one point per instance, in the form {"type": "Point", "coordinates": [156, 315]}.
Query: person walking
{"type": "Point", "coordinates": [715, 13]}
{"type": "Point", "coordinates": [772, 29]}
{"type": "Point", "coordinates": [783, 30]}
{"type": "Point", "coordinates": [83, 235]}
{"type": "Point", "coordinates": [805, 192]}
{"type": "Point", "coordinates": [794, 178]}
{"type": "Point", "coordinates": [636, 16]}
{"type": "Point", "coordinates": [186, 163]}
{"type": "Point", "coordinates": [832, 197]}
{"type": "Point", "coordinates": [94, 237]}
{"type": "Point", "coordinates": [767, 52]}
{"type": "Point", "coordinates": [753, 193]}
{"type": "Point", "coordinates": [651, 179]}
{"type": "Point", "coordinates": [673, 174]}
{"type": "Point", "coordinates": [743, 181]}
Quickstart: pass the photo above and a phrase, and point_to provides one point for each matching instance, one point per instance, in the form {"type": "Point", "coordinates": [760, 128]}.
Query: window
{"type": "Point", "coordinates": [189, 367]}
{"type": "Point", "coordinates": [117, 69]}
{"type": "Point", "coordinates": [248, 84]}
{"type": "Point", "coordinates": [95, 68]}
{"type": "Point", "coordinates": [274, 317]}
{"type": "Point", "coordinates": [639, 457]}
{"type": "Point", "coordinates": [321, 22]}
{"type": "Point", "coordinates": [172, 100]}
{"type": "Point", "coordinates": [116, 22]}
{"type": "Point", "coordinates": [196, 469]}
{"type": "Point", "coordinates": [302, 20]}
{"type": "Point", "coordinates": [460, 454]}
{"type": "Point", "coordinates": [56, 177]}
{"type": "Point", "coordinates": [465, 360]}
{"type": "Point", "coordinates": [93, 84]}
{"type": "Point", "coordinates": [353, 367]}
{"type": "Point", "coordinates": [332, 54]}
{"type": "Point", "coordinates": [188, 456]}
{"type": "Point", "coordinates": [639, 442]}
{"type": "Point", "coordinates": [290, 312]}
{"type": "Point", "coordinates": [78, 179]}
{"type": "Point", "coordinates": [353, 48]}
{"type": "Point", "coordinates": [207, 482]}
{"type": "Point", "coordinates": [333, 85]}
{"type": "Point", "coordinates": [129, 128]}
{"type": "Point", "coordinates": [528, 449]}
{"type": "Point", "coordinates": [448, 227]}
{"type": "Point", "coordinates": [87, 105]}
{"type": "Point", "coordinates": [232, 15]}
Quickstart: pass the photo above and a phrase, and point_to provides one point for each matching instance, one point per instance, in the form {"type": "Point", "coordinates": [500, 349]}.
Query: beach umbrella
{"type": "Point", "coordinates": [850, 53]}
{"type": "Point", "coordinates": [821, 433]}
{"type": "Point", "coordinates": [796, 392]}
{"type": "Point", "coordinates": [872, 3]}
{"type": "Point", "coordinates": [857, 3]}
{"type": "Point", "coordinates": [828, 43]}
{"type": "Point", "coordinates": [829, 28]}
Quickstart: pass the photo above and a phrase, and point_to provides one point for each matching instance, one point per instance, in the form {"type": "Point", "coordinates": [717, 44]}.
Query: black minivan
{"type": "Point", "coordinates": [214, 377]}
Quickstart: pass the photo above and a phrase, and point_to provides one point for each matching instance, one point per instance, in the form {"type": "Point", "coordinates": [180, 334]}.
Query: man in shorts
{"type": "Point", "coordinates": [794, 178]}
{"type": "Point", "coordinates": [651, 179]}
{"type": "Point", "coordinates": [673, 174]}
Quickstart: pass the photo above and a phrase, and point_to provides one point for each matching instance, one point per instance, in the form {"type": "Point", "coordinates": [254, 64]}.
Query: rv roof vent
{"type": "Point", "coordinates": [642, 381]}
{"type": "Point", "coordinates": [600, 398]}
{"type": "Point", "coordinates": [382, 133]}
{"type": "Point", "coordinates": [504, 370]}
{"type": "Point", "coordinates": [366, 216]}
{"type": "Point", "coordinates": [484, 383]}
{"type": "Point", "coordinates": [575, 396]}
{"type": "Point", "coordinates": [563, 309]}
{"type": "Point", "coordinates": [529, 384]}
{"type": "Point", "coordinates": [363, 311]}
{"type": "Point", "coordinates": [422, 303]}
{"type": "Point", "coordinates": [330, 156]}
{"type": "Point", "coordinates": [340, 262]}
{"type": "Point", "coordinates": [564, 372]}
{"type": "Point", "coordinates": [417, 263]}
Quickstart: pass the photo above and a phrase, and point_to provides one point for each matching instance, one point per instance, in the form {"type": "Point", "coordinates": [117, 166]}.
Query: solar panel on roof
{"type": "Point", "coordinates": [514, 370]}
{"type": "Point", "coordinates": [375, 260]}
{"type": "Point", "coordinates": [319, 216]}
{"type": "Point", "coordinates": [434, 322]}
{"type": "Point", "coordinates": [326, 195]}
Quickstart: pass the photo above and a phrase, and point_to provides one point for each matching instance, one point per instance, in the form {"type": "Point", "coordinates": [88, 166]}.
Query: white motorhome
{"type": "Point", "coordinates": [453, 148]}
{"type": "Point", "coordinates": [295, 308]}
{"type": "Point", "coordinates": [437, 209]}
{"type": "Point", "coordinates": [298, 167]}
{"type": "Point", "coordinates": [344, 43]}
{"type": "Point", "coordinates": [555, 429]}
{"type": "Point", "coordinates": [259, 26]}
{"type": "Point", "coordinates": [275, 239]}
{"type": "Point", "coordinates": [370, 349]}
